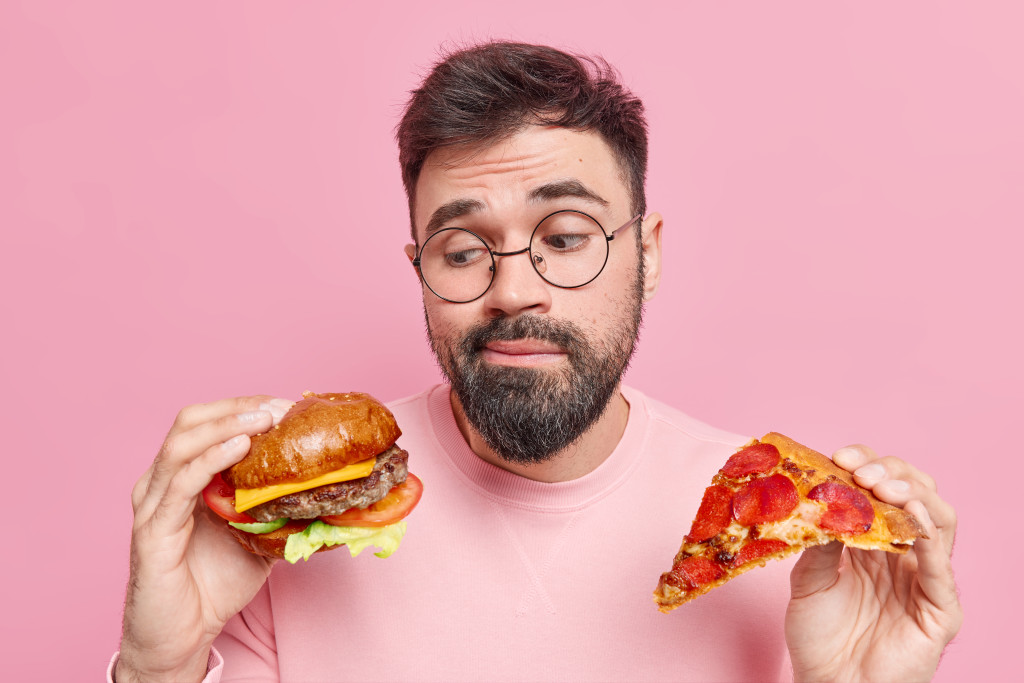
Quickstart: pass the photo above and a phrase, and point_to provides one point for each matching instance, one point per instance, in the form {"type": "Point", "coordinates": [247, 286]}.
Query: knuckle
{"type": "Point", "coordinates": [138, 527]}
{"type": "Point", "coordinates": [892, 463]}
{"type": "Point", "coordinates": [142, 524]}
{"type": "Point", "coordinates": [185, 415]}
{"type": "Point", "coordinates": [949, 515]}
{"type": "Point", "coordinates": [897, 467]}
{"type": "Point", "coordinates": [169, 449]}
{"type": "Point", "coordinates": [177, 484]}
{"type": "Point", "coordinates": [160, 515]}
{"type": "Point", "coordinates": [251, 402]}
{"type": "Point", "coordinates": [956, 622]}
{"type": "Point", "coordinates": [139, 493]}
{"type": "Point", "coordinates": [241, 404]}
{"type": "Point", "coordinates": [923, 479]}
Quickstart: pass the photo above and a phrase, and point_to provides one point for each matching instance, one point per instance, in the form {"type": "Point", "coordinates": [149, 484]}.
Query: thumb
{"type": "Point", "coordinates": [817, 570]}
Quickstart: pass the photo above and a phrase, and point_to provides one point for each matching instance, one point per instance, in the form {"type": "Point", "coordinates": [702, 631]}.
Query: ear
{"type": "Point", "coordinates": [650, 241]}
{"type": "Point", "coordinates": [410, 251]}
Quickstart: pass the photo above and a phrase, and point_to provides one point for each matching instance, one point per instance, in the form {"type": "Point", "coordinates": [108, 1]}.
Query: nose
{"type": "Point", "coordinates": [516, 287]}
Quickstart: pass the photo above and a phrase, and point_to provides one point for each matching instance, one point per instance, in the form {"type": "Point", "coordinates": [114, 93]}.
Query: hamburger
{"type": "Point", "coordinates": [328, 474]}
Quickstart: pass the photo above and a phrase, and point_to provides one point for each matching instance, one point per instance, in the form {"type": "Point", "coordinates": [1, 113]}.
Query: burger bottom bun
{"type": "Point", "coordinates": [272, 544]}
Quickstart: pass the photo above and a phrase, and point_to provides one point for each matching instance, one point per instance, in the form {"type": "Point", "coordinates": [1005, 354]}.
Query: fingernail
{"type": "Point", "coordinates": [254, 416]}
{"type": "Point", "coordinates": [277, 407]}
{"type": "Point", "coordinates": [231, 449]}
{"type": "Point", "coordinates": [896, 486]}
{"type": "Point", "coordinates": [872, 471]}
{"type": "Point", "coordinates": [924, 517]}
{"type": "Point", "coordinates": [848, 457]}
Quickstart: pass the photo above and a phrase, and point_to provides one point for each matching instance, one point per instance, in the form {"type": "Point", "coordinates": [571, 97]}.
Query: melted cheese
{"type": "Point", "coordinates": [733, 538]}
{"type": "Point", "coordinates": [799, 528]}
{"type": "Point", "coordinates": [248, 498]}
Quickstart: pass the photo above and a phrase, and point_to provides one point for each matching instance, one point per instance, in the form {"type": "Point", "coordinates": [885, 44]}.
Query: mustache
{"type": "Point", "coordinates": [561, 332]}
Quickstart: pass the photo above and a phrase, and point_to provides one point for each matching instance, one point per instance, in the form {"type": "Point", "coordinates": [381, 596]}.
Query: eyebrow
{"type": "Point", "coordinates": [452, 210]}
{"type": "Point", "coordinates": [569, 187]}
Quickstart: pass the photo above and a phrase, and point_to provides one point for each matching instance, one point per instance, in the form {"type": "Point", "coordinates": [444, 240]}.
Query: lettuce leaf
{"type": "Point", "coordinates": [319, 534]}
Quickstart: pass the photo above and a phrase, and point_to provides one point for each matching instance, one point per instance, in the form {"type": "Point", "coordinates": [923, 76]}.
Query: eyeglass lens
{"type": "Point", "coordinates": [567, 249]}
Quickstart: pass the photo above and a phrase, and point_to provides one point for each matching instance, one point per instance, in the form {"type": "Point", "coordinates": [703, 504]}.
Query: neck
{"type": "Point", "coordinates": [579, 459]}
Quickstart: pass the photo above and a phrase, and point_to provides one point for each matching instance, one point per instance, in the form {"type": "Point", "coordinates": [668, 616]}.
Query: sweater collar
{"type": "Point", "coordinates": [514, 490]}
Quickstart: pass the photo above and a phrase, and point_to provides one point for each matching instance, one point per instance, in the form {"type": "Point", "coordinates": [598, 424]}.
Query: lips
{"type": "Point", "coordinates": [522, 341]}
{"type": "Point", "coordinates": [522, 352]}
{"type": "Point", "coordinates": [519, 347]}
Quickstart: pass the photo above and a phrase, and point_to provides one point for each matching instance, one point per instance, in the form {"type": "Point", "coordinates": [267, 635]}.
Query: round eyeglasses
{"type": "Point", "coordinates": [568, 249]}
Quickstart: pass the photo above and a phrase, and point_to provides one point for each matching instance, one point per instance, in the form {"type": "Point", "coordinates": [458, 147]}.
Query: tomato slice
{"type": "Point", "coordinates": [220, 497]}
{"type": "Point", "coordinates": [391, 508]}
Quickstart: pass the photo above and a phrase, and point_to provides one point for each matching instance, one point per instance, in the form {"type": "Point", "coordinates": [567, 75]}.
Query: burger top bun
{"type": "Point", "coordinates": [320, 434]}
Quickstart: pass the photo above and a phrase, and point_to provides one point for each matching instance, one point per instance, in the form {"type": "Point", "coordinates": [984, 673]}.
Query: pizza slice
{"type": "Point", "coordinates": [773, 498]}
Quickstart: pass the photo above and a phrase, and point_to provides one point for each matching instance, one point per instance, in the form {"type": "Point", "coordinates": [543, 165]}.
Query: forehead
{"type": "Point", "coordinates": [501, 179]}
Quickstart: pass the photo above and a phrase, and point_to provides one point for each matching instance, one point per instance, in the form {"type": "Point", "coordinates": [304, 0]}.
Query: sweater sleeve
{"type": "Point", "coordinates": [214, 667]}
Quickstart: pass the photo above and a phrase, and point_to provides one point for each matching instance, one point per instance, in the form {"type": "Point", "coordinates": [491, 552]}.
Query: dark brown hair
{"type": "Point", "coordinates": [488, 92]}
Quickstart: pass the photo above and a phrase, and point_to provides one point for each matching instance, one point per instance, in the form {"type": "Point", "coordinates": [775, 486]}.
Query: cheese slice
{"type": "Point", "coordinates": [247, 498]}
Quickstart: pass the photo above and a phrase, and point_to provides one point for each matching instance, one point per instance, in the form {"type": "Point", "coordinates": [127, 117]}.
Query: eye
{"type": "Point", "coordinates": [465, 257]}
{"type": "Point", "coordinates": [565, 241]}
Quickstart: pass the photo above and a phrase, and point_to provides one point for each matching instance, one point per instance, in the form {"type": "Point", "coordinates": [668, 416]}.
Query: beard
{"type": "Point", "coordinates": [527, 415]}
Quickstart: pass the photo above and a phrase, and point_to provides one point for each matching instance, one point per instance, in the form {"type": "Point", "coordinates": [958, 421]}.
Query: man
{"type": "Point", "coordinates": [553, 493]}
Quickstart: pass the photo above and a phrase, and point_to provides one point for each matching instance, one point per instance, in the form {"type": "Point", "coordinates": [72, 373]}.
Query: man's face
{"type": "Point", "coordinates": [533, 366]}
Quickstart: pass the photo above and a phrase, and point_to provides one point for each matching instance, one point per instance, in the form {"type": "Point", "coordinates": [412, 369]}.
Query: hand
{"type": "Point", "coordinates": [860, 615]}
{"type": "Point", "coordinates": [188, 575]}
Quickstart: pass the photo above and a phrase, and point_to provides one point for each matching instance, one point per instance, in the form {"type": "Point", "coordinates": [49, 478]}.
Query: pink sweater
{"type": "Point", "coordinates": [501, 578]}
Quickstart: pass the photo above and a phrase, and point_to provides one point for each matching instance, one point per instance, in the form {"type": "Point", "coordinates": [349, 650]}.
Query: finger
{"type": "Point", "coordinates": [934, 564]}
{"type": "Point", "coordinates": [188, 435]}
{"type": "Point", "coordinates": [895, 481]}
{"type": "Point", "coordinates": [852, 457]}
{"type": "Point", "coordinates": [898, 483]}
{"type": "Point", "coordinates": [177, 504]}
{"type": "Point", "coordinates": [191, 417]}
{"type": "Point", "coordinates": [180, 449]}
{"type": "Point", "coordinates": [194, 415]}
{"type": "Point", "coordinates": [891, 468]}
{"type": "Point", "coordinates": [140, 488]}
{"type": "Point", "coordinates": [816, 570]}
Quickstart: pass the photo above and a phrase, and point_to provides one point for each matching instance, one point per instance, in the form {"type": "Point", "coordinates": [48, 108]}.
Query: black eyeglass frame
{"type": "Point", "coordinates": [527, 248]}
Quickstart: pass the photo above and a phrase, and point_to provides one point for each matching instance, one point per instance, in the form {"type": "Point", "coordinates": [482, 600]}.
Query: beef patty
{"type": "Point", "coordinates": [390, 470]}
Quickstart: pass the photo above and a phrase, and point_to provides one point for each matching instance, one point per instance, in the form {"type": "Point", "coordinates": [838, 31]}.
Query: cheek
{"type": "Point", "coordinates": [615, 298]}
{"type": "Point", "coordinates": [600, 317]}
{"type": "Point", "coordinates": [446, 321]}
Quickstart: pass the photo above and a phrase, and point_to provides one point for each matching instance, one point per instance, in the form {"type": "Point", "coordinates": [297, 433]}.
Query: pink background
{"type": "Point", "coordinates": [204, 200]}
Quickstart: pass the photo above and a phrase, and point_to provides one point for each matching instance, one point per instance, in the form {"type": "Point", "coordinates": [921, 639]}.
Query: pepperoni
{"type": "Point", "coordinates": [849, 510]}
{"type": "Point", "coordinates": [767, 499]}
{"type": "Point", "coordinates": [755, 550]}
{"type": "Point", "coordinates": [755, 459]}
{"type": "Point", "coordinates": [693, 572]}
{"type": "Point", "coordinates": [714, 514]}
